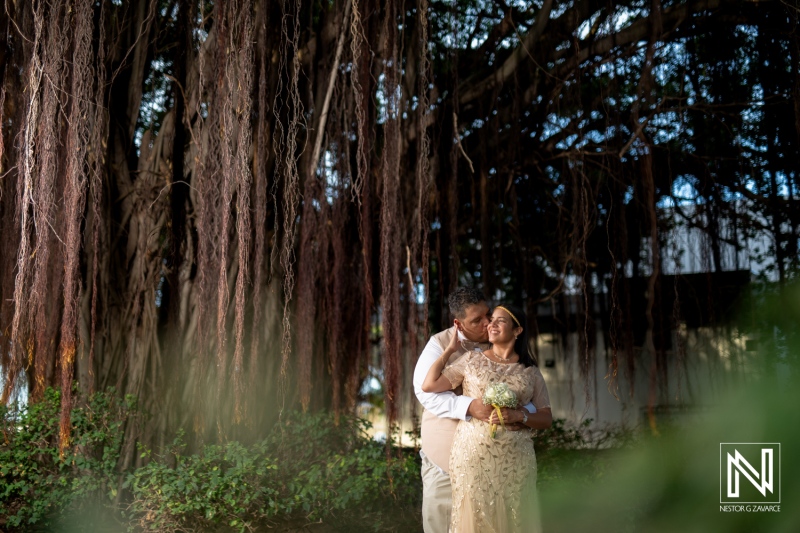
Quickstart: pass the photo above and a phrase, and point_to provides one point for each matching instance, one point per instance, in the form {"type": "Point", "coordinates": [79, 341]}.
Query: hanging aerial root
{"type": "Point", "coordinates": [225, 85]}
{"type": "Point", "coordinates": [357, 43]}
{"type": "Point", "coordinates": [75, 199]}
{"type": "Point", "coordinates": [360, 80]}
{"type": "Point", "coordinates": [244, 63]}
{"type": "Point", "coordinates": [99, 128]}
{"type": "Point", "coordinates": [391, 238]}
{"type": "Point", "coordinates": [65, 427]}
{"type": "Point", "coordinates": [291, 189]}
{"type": "Point", "coordinates": [24, 203]}
{"type": "Point", "coordinates": [2, 142]}
{"type": "Point", "coordinates": [613, 366]}
{"type": "Point", "coordinates": [260, 178]}
{"type": "Point", "coordinates": [420, 248]}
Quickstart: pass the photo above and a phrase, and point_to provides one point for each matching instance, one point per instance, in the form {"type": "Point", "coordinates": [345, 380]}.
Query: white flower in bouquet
{"type": "Point", "coordinates": [499, 395]}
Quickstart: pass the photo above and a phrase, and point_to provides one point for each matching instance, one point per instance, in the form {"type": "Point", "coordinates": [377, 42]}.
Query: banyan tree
{"type": "Point", "coordinates": [232, 208]}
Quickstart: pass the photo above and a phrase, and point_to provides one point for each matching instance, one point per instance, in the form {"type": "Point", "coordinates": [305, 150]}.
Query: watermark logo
{"type": "Point", "coordinates": [750, 473]}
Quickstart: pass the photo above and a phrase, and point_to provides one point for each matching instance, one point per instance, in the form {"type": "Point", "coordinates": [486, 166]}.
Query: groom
{"type": "Point", "coordinates": [443, 410]}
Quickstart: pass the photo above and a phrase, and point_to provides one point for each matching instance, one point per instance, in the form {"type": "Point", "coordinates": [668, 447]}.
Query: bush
{"type": "Point", "coordinates": [309, 469]}
{"type": "Point", "coordinates": [560, 436]}
{"type": "Point", "coordinates": [36, 481]}
{"type": "Point", "coordinates": [230, 485]}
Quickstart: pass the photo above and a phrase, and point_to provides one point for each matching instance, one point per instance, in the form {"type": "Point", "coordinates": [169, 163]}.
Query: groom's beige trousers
{"type": "Point", "coordinates": [437, 496]}
{"type": "Point", "coordinates": [437, 439]}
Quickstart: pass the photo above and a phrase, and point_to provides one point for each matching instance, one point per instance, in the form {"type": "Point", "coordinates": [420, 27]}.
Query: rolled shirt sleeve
{"type": "Point", "coordinates": [443, 404]}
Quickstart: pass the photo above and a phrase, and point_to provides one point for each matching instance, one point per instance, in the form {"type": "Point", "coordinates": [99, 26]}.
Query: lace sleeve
{"type": "Point", "coordinates": [455, 370]}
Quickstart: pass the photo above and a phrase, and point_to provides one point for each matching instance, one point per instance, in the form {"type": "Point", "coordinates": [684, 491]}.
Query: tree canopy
{"type": "Point", "coordinates": [228, 207]}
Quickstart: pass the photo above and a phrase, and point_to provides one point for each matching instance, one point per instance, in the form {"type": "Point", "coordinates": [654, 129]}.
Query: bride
{"type": "Point", "coordinates": [494, 479]}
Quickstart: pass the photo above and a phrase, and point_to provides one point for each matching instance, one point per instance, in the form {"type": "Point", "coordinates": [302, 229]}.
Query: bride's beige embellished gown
{"type": "Point", "coordinates": [494, 480]}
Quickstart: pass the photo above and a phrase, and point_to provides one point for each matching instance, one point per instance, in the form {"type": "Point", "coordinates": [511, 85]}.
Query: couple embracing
{"type": "Point", "coordinates": [474, 481]}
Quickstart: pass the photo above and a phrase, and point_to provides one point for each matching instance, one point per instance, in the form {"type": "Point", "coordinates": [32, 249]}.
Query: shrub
{"type": "Point", "coordinates": [308, 469]}
{"type": "Point", "coordinates": [36, 481]}
{"type": "Point", "coordinates": [224, 485]}
{"type": "Point", "coordinates": [560, 436]}
{"type": "Point", "coordinates": [360, 488]}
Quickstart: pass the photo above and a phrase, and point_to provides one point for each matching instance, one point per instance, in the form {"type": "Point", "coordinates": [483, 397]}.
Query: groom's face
{"type": "Point", "coordinates": [475, 322]}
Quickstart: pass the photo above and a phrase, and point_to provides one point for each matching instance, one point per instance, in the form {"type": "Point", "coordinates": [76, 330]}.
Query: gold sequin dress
{"type": "Point", "coordinates": [494, 480]}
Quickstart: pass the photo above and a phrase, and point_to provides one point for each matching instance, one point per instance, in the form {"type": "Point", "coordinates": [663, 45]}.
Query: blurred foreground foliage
{"type": "Point", "coordinates": [671, 480]}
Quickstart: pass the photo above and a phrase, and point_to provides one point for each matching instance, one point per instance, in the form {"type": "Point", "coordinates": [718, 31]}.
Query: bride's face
{"type": "Point", "coordinates": [501, 327]}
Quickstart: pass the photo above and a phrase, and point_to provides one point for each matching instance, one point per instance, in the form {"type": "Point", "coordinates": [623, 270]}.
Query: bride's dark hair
{"type": "Point", "coordinates": [521, 344]}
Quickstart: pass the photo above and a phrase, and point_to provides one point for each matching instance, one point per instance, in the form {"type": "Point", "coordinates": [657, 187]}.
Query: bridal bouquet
{"type": "Point", "coordinates": [499, 395]}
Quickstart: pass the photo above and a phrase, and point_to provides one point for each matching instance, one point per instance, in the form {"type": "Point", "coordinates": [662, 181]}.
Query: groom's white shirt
{"type": "Point", "coordinates": [443, 404]}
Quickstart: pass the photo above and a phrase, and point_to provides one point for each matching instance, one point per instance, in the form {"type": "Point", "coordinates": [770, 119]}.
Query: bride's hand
{"type": "Point", "coordinates": [455, 343]}
{"type": "Point", "coordinates": [510, 416]}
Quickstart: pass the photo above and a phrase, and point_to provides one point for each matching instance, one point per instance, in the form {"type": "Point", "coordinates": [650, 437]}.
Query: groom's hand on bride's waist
{"type": "Point", "coordinates": [477, 409]}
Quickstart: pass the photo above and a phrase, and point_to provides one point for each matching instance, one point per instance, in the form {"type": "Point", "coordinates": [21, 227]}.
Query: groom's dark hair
{"type": "Point", "coordinates": [463, 297]}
